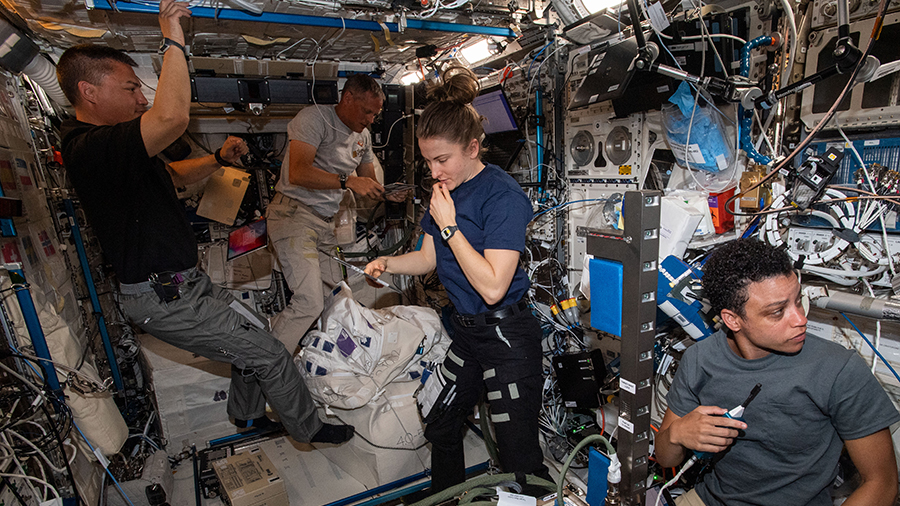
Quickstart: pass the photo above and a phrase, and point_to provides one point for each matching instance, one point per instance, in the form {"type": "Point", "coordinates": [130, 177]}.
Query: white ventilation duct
{"type": "Point", "coordinates": [18, 54]}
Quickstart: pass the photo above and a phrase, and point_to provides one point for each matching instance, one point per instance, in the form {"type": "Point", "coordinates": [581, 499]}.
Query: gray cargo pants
{"type": "Point", "coordinates": [204, 321]}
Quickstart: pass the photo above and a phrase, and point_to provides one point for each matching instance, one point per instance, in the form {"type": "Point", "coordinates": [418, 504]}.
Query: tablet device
{"type": "Point", "coordinates": [246, 239]}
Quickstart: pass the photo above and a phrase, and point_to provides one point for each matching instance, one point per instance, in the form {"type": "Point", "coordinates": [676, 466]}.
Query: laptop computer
{"type": "Point", "coordinates": [609, 73]}
{"type": "Point", "coordinates": [503, 140]}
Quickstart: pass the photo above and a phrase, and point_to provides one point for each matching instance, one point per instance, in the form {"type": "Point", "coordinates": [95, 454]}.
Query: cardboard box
{"type": "Point", "coordinates": [250, 479]}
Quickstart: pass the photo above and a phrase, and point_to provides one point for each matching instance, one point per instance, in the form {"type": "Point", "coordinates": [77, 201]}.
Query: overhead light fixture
{"type": "Point", "coordinates": [411, 78]}
{"type": "Point", "coordinates": [476, 52]}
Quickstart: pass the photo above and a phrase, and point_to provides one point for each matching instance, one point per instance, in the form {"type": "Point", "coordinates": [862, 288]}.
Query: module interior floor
{"type": "Point", "coordinates": [309, 477]}
{"type": "Point", "coordinates": [191, 394]}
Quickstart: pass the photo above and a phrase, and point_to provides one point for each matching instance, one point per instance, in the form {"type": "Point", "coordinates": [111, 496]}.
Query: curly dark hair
{"type": "Point", "coordinates": [734, 265]}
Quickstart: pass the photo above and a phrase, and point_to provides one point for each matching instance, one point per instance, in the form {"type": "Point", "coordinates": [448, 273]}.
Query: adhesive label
{"type": "Point", "coordinates": [627, 386]}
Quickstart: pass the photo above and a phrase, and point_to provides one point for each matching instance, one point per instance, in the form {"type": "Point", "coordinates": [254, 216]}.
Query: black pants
{"type": "Point", "coordinates": [506, 360]}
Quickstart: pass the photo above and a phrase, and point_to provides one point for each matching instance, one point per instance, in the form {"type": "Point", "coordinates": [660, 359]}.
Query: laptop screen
{"type": "Point", "coordinates": [247, 238]}
{"type": "Point", "coordinates": [503, 141]}
{"type": "Point", "coordinates": [493, 105]}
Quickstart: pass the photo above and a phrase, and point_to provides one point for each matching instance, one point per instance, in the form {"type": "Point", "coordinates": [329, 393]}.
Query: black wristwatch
{"type": "Point", "coordinates": [167, 43]}
{"type": "Point", "coordinates": [447, 232]}
{"type": "Point", "coordinates": [343, 180]}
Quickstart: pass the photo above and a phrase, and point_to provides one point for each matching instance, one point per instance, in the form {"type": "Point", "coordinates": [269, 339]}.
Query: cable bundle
{"type": "Point", "coordinates": [886, 182]}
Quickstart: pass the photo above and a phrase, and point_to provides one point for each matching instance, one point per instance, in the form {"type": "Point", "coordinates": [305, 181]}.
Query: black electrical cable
{"type": "Point", "coordinates": [372, 252]}
{"type": "Point", "coordinates": [379, 446]}
{"type": "Point", "coordinates": [44, 445]}
{"type": "Point", "coordinates": [31, 409]}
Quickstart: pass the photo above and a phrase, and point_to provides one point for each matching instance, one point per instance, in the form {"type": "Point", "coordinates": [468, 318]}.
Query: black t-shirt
{"type": "Point", "coordinates": [129, 199]}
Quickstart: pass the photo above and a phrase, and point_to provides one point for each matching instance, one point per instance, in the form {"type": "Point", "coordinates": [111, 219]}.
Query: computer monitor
{"type": "Point", "coordinates": [247, 238]}
{"type": "Point", "coordinates": [493, 105]}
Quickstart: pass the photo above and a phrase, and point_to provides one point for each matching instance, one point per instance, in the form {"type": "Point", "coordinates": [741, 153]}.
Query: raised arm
{"type": "Point", "coordinates": [163, 123]}
{"type": "Point", "coordinates": [489, 274]}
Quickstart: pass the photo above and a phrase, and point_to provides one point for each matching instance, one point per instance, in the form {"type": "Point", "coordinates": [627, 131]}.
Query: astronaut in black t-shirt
{"type": "Point", "coordinates": [128, 194]}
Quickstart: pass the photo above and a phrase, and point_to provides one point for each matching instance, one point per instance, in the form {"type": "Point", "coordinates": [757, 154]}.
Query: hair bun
{"type": "Point", "coordinates": [459, 85]}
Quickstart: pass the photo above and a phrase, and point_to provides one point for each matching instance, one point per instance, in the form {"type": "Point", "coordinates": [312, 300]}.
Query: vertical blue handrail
{"type": "Point", "coordinates": [33, 324]}
{"type": "Point", "coordinates": [95, 300]}
{"type": "Point", "coordinates": [539, 113]}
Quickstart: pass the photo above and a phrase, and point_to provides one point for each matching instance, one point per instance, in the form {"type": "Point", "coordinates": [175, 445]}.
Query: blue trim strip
{"type": "Point", "coordinates": [303, 20]}
{"type": "Point", "coordinates": [382, 488]}
{"type": "Point", "coordinates": [402, 492]}
{"type": "Point", "coordinates": [539, 113]}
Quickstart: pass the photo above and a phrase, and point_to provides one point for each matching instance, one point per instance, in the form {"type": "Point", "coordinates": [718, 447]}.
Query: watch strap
{"type": "Point", "coordinates": [221, 161]}
{"type": "Point", "coordinates": [343, 179]}
{"type": "Point", "coordinates": [167, 43]}
{"type": "Point", "coordinates": [448, 231]}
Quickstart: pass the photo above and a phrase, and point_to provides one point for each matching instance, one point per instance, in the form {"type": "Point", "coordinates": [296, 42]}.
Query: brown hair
{"type": "Point", "coordinates": [87, 62]}
{"type": "Point", "coordinates": [450, 115]}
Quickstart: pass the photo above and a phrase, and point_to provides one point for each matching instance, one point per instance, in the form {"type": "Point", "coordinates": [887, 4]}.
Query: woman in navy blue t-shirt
{"type": "Point", "coordinates": [474, 234]}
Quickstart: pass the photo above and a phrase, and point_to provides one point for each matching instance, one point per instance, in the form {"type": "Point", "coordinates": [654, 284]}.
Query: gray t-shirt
{"type": "Point", "coordinates": [809, 402]}
{"type": "Point", "coordinates": [339, 150]}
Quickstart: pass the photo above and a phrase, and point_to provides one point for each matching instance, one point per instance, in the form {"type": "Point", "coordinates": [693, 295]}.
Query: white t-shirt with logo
{"type": "Point", "coordinates": [339, 150]}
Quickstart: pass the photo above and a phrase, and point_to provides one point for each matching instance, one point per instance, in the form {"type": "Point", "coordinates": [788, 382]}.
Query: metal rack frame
{"type": "Point", "coordinates": [637, 249]}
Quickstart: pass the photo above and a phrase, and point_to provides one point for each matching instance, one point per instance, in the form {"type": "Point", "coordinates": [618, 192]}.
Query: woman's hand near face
{"type": "Point", "coordinates": [442, 209]}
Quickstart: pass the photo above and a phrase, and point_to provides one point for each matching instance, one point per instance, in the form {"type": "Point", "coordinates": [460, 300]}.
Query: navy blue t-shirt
{"type": "Point", "coordinates": [492, 212]}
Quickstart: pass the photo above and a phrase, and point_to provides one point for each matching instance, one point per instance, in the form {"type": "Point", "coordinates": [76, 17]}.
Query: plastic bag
{"type": "Point", "coordinates": [706, 149]}
{"type": "Point", "coordinates": [345, 220]}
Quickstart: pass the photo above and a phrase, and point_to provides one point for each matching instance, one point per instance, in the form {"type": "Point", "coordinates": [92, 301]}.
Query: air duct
{"type": "Point", "coordinates": [18, 54]}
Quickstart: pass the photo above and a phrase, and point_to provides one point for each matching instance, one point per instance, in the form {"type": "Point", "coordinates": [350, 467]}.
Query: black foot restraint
{"type": "Point", "coordinates": [334, 434]}
{"type": "Point", "coordinates": [261, 425]}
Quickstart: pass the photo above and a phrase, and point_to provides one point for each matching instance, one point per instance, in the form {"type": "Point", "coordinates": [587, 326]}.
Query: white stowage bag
{"type": "Point", "coordinates": [365, 366]}
{"type": "Point", "coordinates": [360, 350]}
